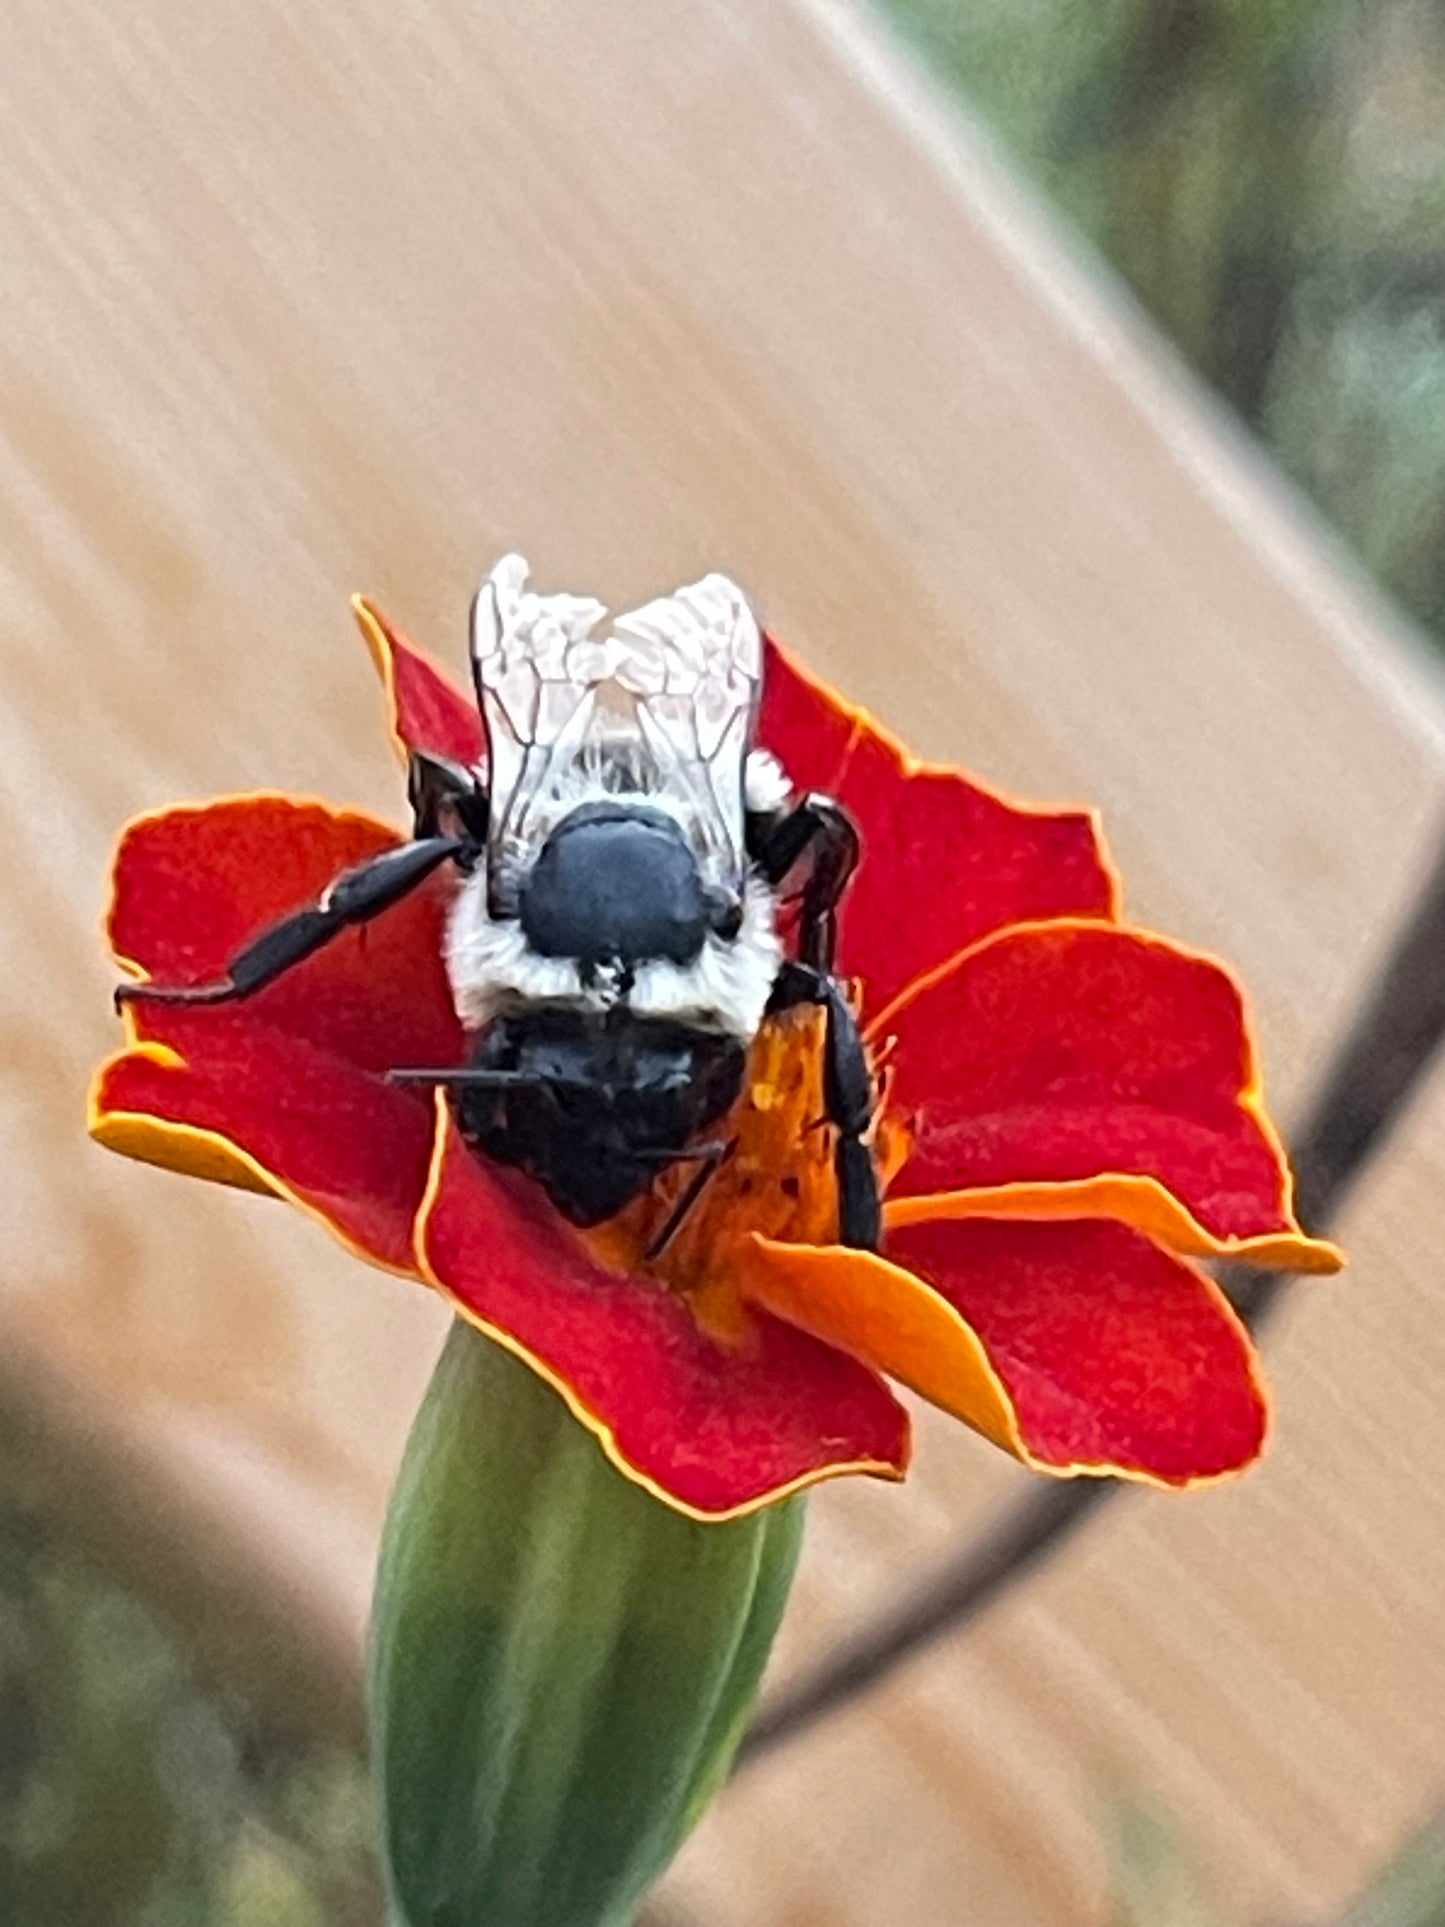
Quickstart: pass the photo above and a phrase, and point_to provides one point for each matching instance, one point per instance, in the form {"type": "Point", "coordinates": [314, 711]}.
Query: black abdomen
{"type": "Point", "coordinates": [594, 1107]}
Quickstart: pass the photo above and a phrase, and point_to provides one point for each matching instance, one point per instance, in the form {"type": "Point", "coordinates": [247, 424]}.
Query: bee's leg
{"type": "Point", "coordinates": [445, 798]}
{"type": "Point", "coordinates": [848, 1092]}
{"type": "Point", "coordinates": [821, 832]}
{"type": "Point", "coordinates": [709, 1158]}
{"type": "Point", "coordinates": [355, 897]}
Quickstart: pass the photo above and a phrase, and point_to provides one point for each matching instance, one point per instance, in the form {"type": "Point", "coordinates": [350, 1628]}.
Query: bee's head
{"type": "Point", "coordinates": [618, 884]}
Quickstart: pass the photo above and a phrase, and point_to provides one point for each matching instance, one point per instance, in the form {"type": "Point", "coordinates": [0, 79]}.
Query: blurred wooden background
{"type": "Point", "coordinates": [301, 299]}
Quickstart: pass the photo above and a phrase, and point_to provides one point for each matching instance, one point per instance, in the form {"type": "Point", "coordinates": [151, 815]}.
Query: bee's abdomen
{"type": "Point", "coordinates": [594, 1108]}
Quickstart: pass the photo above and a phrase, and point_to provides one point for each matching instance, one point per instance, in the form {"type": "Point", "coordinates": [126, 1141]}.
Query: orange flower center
{"type": "Point", "coordinates": [777, 1177]}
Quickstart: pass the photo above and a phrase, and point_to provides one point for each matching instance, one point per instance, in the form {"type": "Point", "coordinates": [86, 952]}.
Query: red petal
{"type": "Point", "coordinates": [714, 1429]}
{"type": "Point", "coordinates": [425, 708]}
{"type": "Point", "coordinates": [192, 885]}
{"type": "Point", "coordinates": [945, 861]}
{"type": "Point", "coordinates": [222, 1096]}
{"type": "Point", "coordinates": [1115, 1356]}
{"type": "Point", "coordinates": [282, 1092]}
{"type": "Point", "coordinates": [889, 1320]}
{"type": "Point", "coordinates": [1066, 1068]}
{"type": "Point", "coordinates": [804, 723]}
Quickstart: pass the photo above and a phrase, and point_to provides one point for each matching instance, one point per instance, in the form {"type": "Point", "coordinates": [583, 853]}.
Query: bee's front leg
{"type": "Point", "coordinates": [356, 896]}
{"type": "Point", "coordinates": [446, 798]}
{"type": "Point", "coordinates": [818, 842]}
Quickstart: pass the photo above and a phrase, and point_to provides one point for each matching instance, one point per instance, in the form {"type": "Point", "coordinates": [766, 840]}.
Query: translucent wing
{"type": "Point", "coordinates": [660, 709]}
{"type": "Point", "coordinates": [535, 670]}
{"type": "Point", "coordinates": [694, 660]}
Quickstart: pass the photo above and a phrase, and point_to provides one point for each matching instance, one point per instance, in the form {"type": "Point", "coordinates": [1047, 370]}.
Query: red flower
{"type": "Point", "coordinates": [1071, 1111]}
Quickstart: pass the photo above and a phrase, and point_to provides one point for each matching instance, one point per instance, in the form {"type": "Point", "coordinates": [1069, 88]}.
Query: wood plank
{"type": "Point", "coordinates": [300, 300]}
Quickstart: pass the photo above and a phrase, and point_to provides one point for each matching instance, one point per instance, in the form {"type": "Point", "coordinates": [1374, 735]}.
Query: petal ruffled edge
{"type": "Point", "coordinates": [892, 1469]}
{"type": "Point", "coordinates": [149, 1139]}
{"type": "Point", "coordinates": [864, 726]}
{"type": "Point", "coordinates": [1141, 1202]}
{"type": "Point", "coordinates": [902, 1324]}
{"type": "Point", "coordinates": [194, 1151]}
{"type": "Point", "coordinates": [1144, 1202]}
{"type": "Point", "coordinates": [1007, 861]}
{"type": "Point", "coordinates": [425, 708]}
{"type": "Point", "coordinates": [887, 1317]}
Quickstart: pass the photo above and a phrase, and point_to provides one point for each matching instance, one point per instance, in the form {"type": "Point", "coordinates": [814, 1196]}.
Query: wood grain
{"type": "Point", "coordinates": [302, 299]}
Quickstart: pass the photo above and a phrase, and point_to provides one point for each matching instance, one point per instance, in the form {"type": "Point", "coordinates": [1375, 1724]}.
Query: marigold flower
{"type": "Point", "coordinates": [1070, 1115]}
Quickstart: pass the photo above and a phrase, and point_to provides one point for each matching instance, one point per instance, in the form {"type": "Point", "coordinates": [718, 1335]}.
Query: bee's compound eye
{"type": "Point", "coordinates": [724, 913]}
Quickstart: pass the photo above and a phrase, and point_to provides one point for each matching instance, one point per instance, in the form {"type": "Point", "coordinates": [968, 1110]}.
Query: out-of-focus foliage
{"type": "Point", "coordinates": [1156, 1881]}
{"type": "Point", "coordinates": [129, 1797]}
{"type": "Point", "coordinates": [1269, 176]}
{"type": "Point", "coordinates": [1411, 1890]}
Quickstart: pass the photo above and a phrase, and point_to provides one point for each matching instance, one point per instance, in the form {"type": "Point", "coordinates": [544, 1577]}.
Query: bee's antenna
{"type": "Point", "coordinates": [463, 1078]}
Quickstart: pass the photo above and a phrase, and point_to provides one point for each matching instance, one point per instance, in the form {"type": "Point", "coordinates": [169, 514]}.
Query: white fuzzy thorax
{"type": "Point", "coordinates": [492, 967]}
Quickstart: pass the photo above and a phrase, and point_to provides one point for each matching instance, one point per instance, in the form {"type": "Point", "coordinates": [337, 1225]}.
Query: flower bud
{"type": "Point", "coordinates": [561, 1665]}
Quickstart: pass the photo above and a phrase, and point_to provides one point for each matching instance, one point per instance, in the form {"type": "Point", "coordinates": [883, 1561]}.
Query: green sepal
{"type": "Point", "coordinates": [561, 1665]}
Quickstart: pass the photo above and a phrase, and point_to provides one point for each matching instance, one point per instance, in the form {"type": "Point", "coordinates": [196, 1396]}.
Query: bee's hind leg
{"type": "Point", "coordinates": [355, 897]}
{"type": "Point", "coordinates": [818, 840]}
{"type": "Point", "coordinates": [850, 1096]}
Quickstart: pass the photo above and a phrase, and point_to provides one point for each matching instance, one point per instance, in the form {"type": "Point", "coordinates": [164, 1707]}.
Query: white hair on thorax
{"type": "Point", "coordinates": [492, 967]}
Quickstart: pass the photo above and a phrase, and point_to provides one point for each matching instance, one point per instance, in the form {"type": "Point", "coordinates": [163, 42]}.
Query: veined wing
{"type": "Point", "coordinates": [661, 708]}
{"type": "Point", "coordinates": [695, 661]}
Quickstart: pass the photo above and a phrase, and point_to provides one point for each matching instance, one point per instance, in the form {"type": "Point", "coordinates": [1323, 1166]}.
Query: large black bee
{"type": "Point", "coordinates": [614, 943]}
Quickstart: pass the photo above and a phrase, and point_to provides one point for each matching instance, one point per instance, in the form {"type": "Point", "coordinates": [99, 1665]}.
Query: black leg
{"type": "Point", "coordinates": [849, 1095]}
{"type": "Point", "coordinates": [355, 897]}
{"type": "Point", "coordinates": [709, 1157]}
{"type": "Point", "coordinates": [463, 1078]}
{"type": "Point", "coordinates": [445, 798]}
{"type": "Point", "coordinates": [821, 832]}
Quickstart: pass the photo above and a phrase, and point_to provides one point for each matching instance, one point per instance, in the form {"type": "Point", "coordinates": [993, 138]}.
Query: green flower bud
{"type": "Point", "coordinates": [561, 1665]}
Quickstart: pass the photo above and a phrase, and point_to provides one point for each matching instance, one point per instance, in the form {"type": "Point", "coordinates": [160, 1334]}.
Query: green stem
{"type": "Point", "coordinates": [561, 1665]}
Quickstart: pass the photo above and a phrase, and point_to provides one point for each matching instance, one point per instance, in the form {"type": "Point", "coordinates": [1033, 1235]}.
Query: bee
{"type": "Point", "coordinates": [623, 862]}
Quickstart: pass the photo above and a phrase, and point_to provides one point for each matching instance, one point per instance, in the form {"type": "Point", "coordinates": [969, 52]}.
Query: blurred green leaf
{"type": "Point", "coordinates": [1410, 1891]}
{"type": "Point", "coordinates": [1269, 177]}
{"type": "Point", "coordinates": [129, 1796]}
{"type": "Point", "coordinates": [1157, 1882]}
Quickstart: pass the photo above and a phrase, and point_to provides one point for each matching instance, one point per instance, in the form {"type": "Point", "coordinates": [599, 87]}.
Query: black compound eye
{"type": "Point", "coordinates": [616, 884]}
{"type": "Point", "coordinates": [724, 913]}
